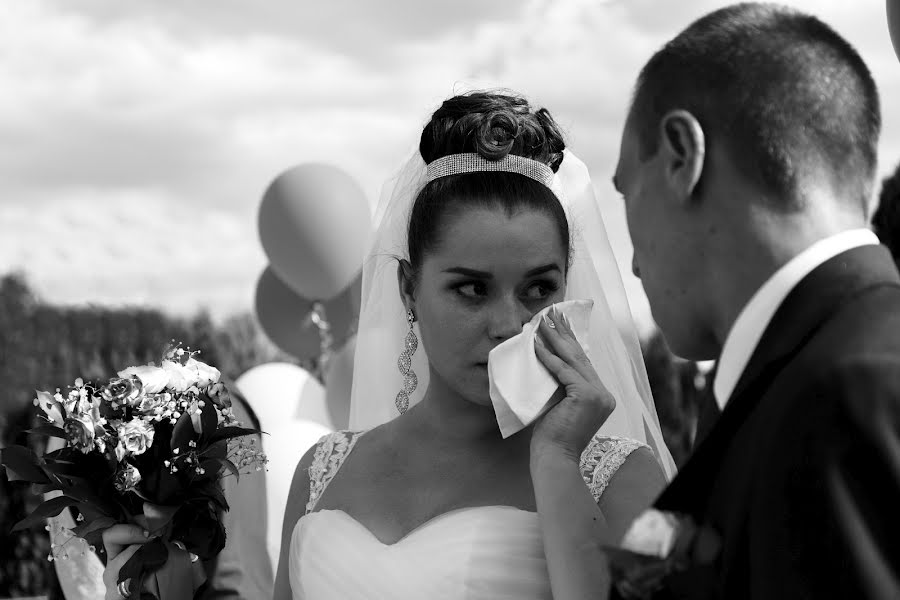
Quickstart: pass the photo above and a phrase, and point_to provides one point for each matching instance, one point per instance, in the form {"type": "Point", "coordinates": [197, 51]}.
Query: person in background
{"type": "Point", "coordinates": [886, 220]}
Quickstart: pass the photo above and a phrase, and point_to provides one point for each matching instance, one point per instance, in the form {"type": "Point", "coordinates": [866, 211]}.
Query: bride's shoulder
{"type": "Point", "coordinates": [333, 446]}
{"type": "Point", "coordinates": [326, 454]}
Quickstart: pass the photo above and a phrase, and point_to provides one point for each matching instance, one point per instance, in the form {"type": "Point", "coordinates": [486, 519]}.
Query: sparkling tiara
{"type": "Point", "coordinates": [470, 162]}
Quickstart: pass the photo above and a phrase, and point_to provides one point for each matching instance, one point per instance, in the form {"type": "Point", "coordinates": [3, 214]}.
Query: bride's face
{"type": "Point", "coordinates": [485, 278]}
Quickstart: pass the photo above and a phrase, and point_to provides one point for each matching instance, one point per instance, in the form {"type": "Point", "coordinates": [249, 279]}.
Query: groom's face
{"type": "Point", "coordinates": [660, 231]}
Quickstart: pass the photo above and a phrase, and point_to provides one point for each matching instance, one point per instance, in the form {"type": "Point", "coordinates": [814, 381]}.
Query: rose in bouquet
{"type": "Point", "coordinates": [147, 447]}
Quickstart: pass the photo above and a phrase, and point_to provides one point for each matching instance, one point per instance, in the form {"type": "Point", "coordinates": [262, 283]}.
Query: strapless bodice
{"type": "Point", "coordinates": [466, 554]}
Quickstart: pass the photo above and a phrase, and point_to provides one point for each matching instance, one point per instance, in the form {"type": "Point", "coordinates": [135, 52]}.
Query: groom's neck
{"type": "Point", "coordinates": [766, 241]}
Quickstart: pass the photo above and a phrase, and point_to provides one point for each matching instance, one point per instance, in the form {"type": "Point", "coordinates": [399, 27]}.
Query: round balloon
{"type": "Point", "coordinates": [285, 316]}
{"type": "Point", "coordinates": [315, 227]}
{"type": "Point", "coordinates": [893, 19]}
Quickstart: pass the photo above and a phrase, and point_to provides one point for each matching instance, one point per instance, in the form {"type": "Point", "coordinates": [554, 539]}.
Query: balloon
{"type": "Point", "coordinates": [315, 227]}
{"type": "Point", "coordinates": [338, 382]}
{"type": "Point", "coordinates": [280, 391]}
{"type": "Point", "coordinates": [290, 405]}
{"type": "Point", "coordinates": [893, 19]}
{"type": "Point", "coordinates": [285, 316]}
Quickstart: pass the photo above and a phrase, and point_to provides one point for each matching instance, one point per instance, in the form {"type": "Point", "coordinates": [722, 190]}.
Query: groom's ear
{"type": "Point", "coordinates": [683, 151]}
{"type": "Point", "coordinates": [406, 279]}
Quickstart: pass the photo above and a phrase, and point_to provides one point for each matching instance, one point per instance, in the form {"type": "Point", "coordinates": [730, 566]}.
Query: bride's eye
{"type": "Point", "coordinates": [471, 289]}
{"type": "Point", "coordinates": [541, 290]}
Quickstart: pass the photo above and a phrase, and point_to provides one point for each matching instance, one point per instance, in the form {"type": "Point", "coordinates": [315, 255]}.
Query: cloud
{"type": "Point", "coordinates": [134, 248]}
{"type": "Point", "coordinates": [364, 30]}
{"type": "Point", "coordinates": [149, 115]}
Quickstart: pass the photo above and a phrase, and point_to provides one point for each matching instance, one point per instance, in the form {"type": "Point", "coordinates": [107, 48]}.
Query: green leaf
{"type": "Point", "coordinates": [50, 430]}
{"type": "Point", "coordinates": [226, 433]}
{"type": "Point", "coordinates": [208, 419]}
{"type": "Point", "coordinates": [64, 453]}
{"type": "Point", "coordinates": [89, 526]}
{"type": "Point", "coordinates": [215, 466]}
{"type": "Point", "coordinates": [22, 465]}
{"type": "Point", "coordinates": [217, 496]}
{"type": "Point", "coordinates": [67, 469]}
{"type": "Point", "coordinates": [50, 508]}
{"type": "Point", "coordinates": [183, 432]}
{"type": "Point", "coordinates": [232, 468]}
{"type": "Point", "coordinates": [92, 510]}
{"type": "Point", "coordinates": [43, 488]}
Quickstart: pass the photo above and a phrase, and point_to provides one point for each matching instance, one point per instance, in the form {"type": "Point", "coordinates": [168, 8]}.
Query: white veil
{"type": "Point", "coordinates": [614, 347]}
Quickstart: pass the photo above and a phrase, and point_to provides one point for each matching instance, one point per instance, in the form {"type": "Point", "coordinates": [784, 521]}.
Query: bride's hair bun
{"type": "Point", "coordinates": [494, 125]}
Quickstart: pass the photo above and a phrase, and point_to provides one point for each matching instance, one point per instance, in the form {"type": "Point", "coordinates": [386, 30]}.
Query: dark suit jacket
{"type": "Point", "coordinates": [801, 473]}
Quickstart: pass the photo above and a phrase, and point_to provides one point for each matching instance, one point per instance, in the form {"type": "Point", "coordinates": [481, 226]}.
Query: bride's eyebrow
{"type": "Point", "coordinates": [469, 272]}
{"type": "Point", "coordinates": [544, 269]}
{"type": "Point", "coordinates": [485, 275]}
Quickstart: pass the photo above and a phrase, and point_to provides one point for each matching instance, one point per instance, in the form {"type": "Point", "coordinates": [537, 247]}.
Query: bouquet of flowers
{"type": "Point", "coordinates": [148, 447]}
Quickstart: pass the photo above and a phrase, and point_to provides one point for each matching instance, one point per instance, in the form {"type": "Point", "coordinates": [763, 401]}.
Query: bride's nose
{"type": "Point", "coordinates": [506, 318]}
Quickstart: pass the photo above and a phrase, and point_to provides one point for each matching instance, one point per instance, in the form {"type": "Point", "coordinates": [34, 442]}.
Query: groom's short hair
{"type": "Point", "coordinates": [784, 94]}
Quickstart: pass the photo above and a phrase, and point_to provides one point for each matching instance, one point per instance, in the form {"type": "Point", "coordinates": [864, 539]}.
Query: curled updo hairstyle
{"type": "Point", "coordinates": [493, 125]}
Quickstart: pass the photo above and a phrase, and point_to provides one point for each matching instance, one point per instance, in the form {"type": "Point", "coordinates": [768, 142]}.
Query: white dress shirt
{"type": "Point", "coordinates": [756, 314]}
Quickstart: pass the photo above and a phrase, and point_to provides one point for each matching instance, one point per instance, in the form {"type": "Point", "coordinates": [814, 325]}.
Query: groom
{"type": "Point", "coordinates": [746, 166]}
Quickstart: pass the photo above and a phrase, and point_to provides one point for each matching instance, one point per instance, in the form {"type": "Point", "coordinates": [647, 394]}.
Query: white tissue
{"type": "Point", "coordinates": [520, 385]}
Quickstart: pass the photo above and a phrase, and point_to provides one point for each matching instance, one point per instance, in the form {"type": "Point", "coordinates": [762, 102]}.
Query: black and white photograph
{"type": "Point", "coordinates": [508, 300]}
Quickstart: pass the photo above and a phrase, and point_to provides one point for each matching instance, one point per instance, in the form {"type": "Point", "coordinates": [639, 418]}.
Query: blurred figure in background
{"type": "Point", "coordinates": [886, 220]}
{"type": "Point", "coordinates": [679, 389]}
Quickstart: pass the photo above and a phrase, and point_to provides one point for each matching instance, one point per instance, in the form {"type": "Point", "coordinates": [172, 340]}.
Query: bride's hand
{"type": "Point", "coordinates": [585, 402]}
{"type": "Point", "coordinates": [121, 542]}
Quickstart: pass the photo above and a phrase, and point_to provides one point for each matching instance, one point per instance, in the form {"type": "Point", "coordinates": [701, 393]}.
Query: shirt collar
{"type": "Point", "coordinates": [754, 318]}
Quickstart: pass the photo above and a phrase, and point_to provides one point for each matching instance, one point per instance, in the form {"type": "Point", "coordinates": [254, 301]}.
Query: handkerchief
{"type": "Point", "coordinates": [520, 385]}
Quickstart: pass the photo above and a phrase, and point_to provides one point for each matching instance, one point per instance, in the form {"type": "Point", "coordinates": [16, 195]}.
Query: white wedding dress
{"type": "Point", "coordinates": [485, 552]}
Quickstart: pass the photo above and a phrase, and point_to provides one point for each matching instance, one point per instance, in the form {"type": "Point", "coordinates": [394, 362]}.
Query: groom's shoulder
{"type": "Point", "coordinates": [866, 327]}
{"type": "Point", "coordinates": [851, 364]}
{"type": "Point", "coordinates": [851, 368]}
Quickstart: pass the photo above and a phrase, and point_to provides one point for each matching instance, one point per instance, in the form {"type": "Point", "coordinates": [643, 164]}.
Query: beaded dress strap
{"type": "Point", "coordinates": [331, 451]}
{"type": "Point", "coordinates": [602, 458]}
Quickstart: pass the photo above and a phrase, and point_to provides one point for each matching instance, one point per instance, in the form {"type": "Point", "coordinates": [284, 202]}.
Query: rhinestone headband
{"type": "Point", "coordinates": [456, 164]}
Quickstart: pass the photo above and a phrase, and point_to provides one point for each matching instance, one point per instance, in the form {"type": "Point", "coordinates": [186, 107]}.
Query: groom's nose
{"type": "Point", "coordinates": [634, 267]}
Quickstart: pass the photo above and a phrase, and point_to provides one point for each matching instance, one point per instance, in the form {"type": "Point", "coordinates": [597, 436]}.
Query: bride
{"type": "Point", "coordinates": [491, 223]}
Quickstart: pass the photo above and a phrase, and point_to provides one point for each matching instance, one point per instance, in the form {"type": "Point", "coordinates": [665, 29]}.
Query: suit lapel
{"type": "Point", "coordinates": [805, 309]}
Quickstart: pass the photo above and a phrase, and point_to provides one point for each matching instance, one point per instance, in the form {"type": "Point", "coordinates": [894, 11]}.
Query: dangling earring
{"type": "Point", "coordinates": [404, 363]}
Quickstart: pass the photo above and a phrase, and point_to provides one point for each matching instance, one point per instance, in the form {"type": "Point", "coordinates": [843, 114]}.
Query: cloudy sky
{"type": "Point", "coordinates": [138, 137]}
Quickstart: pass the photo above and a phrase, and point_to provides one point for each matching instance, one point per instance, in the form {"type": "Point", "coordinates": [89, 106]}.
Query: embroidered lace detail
{"type": "Point", "coordinates": [330, 453]}
{"type": "Point", "coordinates": [602, 458]}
